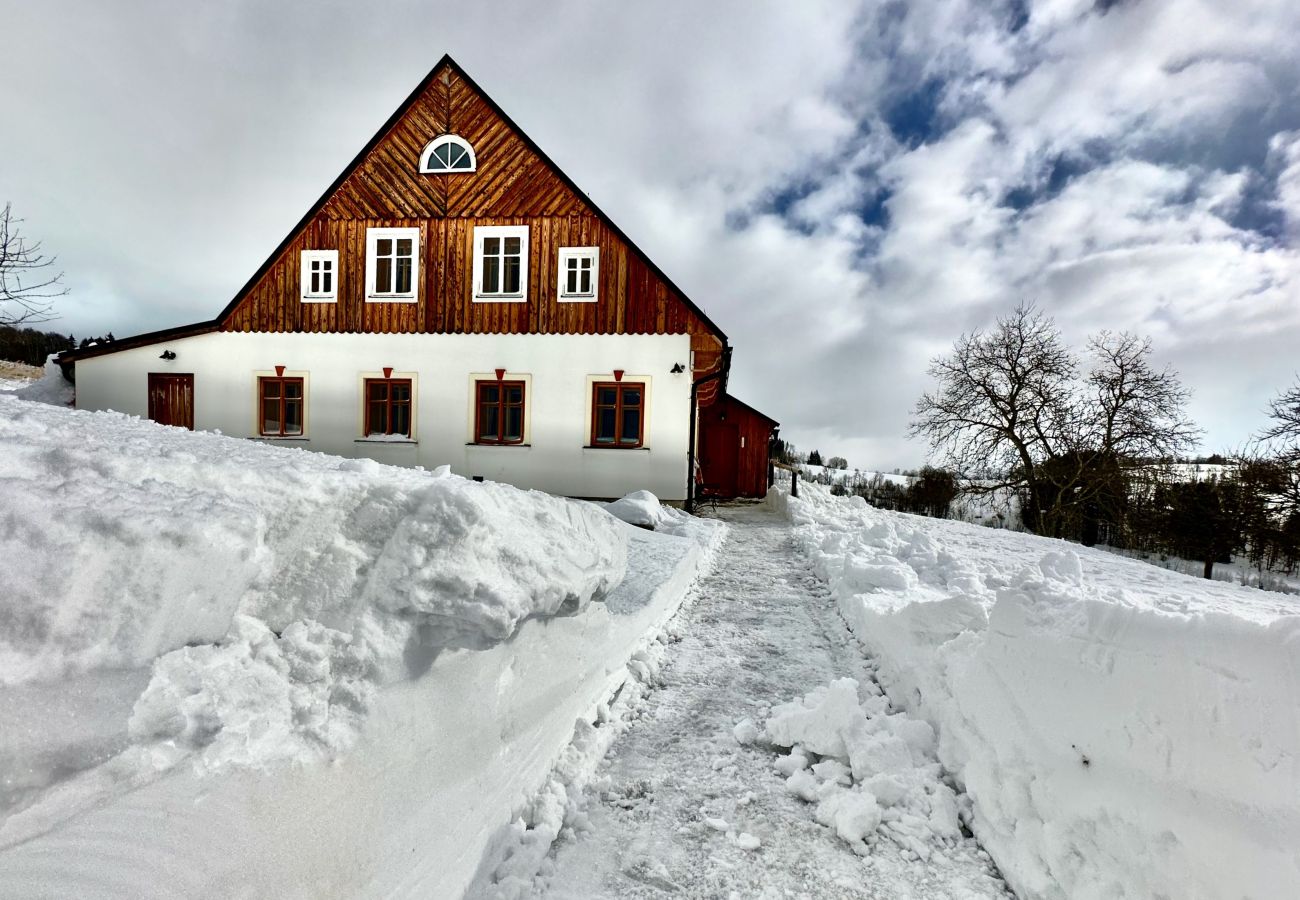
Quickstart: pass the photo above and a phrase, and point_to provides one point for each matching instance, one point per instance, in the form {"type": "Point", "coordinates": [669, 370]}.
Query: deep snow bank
{"type": "Point", "coordinates": [136, 540]}
{"type": "Point", "coordinates": [171, 597]}
{"type": "Point", "coordinates": [1123, 731]}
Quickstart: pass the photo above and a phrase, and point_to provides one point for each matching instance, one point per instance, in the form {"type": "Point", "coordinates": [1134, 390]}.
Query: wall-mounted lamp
{"type": "Point", "coordinates": [677, 369]}
{"type": "Point", "coordinates": [167, 354]}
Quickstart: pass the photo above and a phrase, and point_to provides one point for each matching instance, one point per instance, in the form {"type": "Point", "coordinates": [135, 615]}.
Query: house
{"type": "Point", "coordinates": [453, 298]}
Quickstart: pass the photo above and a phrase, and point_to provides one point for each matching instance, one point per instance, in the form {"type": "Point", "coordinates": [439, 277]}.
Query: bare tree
{"type": "Point", "coordinates": [28, 286]}
{"type": "Point", "coordinates": [1011, 411]}
{"type": "Point", "coordinates": [1281, 440]}
{"type": "Point", "coordinates": [1284, 410]}
{"type": "Point", "coordinates": [1133, 426]}
{"type": "Point", "coordinates": [1134, 410]}
{"type": "Point", "coordinates": [1002, 405]}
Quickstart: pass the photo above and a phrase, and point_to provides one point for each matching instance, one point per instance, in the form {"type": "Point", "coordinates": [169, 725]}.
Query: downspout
{"type": "Point", "coordinates": [723, 369]}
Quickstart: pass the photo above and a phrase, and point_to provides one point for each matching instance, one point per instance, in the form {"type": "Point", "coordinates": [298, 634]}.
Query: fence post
{"type": "Point", "coordinates": [794, 483]}
{"type": "Point", "coordinates": [771, 473]}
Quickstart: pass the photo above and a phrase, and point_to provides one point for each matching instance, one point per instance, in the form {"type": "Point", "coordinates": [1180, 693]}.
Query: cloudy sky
{"type": "Point", "coordinates": [844, 187]}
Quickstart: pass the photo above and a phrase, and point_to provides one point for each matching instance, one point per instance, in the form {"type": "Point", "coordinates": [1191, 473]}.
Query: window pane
{"type": "Point", "coordinates": [512, 276]}
{"type": "Point", "coordinates": [315, 282]}
{"type": "Point", "coordinates": [491, 275]}
{"type": "Point", "coordinates": [270, 417]}
{"type": "Point", "coordinates": [488, 421]}
{"type": "Point", "coordinates": [571, 282]}
{"type": "Point", "coordinates": [327, 280]}
{"type": "Point", "coordinates": [377, 422]}
{"type": "Point", "coordinates": [631, 426]}
{"type": "Point", "coordinates": [401, 391]}
{"type": "Point", "coordinates": [403, 246]}
{"type": "Point", "coordinates": [384, 276]}
{"type": "Point", "coordinates": [378, 390]}
{"type": "Point", "coordinates": [514, 423]}
{"type": "Point", "coordinates": [271, 388]}
{"type": "Point", "coordinates": [384, 246]}
{"type": "Point", "coordinates": [488, 393]}
{"type": "Point", "coordinates": [443, 154]}
{"type": "Point", "coordinates": [631, 397]}
{"type": "Point", "coordinates": [515, 394]}
{"type": "Point", "coordinates": [605, 426]}
{"type": "Point", "coordinates": [585, 284]}
{"type": "Point", "coordinates": [491, 246]}
{"type": "Point", "coordinates": [293, 417]}
{"type": "Point", "coordinates": [459, 158]}
{"type": "Point", "coordinates": [512, 246]}
{"type": "Point", "coordinates": [607, 396]}
{"type": "Point", "coordinates": [293, 389]}
{"type": "Point", "coordinates": [402, 419]}
{"type": "Point", "coordinates": [403, 275]}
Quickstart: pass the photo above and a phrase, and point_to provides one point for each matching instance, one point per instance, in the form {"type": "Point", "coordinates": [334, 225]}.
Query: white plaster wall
{"type": "Point", "coordinates": [559, 369]}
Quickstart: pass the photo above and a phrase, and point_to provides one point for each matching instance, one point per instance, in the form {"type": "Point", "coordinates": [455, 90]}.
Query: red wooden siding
{"type": "Point", "coordinates": [726, 468]}
{"type": "Point", "coordinates": [171, 399]}
{"type": "Point", "coordinates": [513, 185]}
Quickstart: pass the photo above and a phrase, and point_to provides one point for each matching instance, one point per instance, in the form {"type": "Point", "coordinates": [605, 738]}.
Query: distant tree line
{"type": "Point", "coordinates": [27, 345]}
{"type": "Point", "coordinates": [1091, 445]}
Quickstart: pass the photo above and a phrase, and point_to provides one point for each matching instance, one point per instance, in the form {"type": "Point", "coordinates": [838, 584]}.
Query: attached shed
{"type": "Point", "coordinates": [734, 443]}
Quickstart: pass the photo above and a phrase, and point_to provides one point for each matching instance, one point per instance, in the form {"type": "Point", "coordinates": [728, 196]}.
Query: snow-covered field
{"type": "Point", "coordinates": [1122, 730]}
{"type": "Point", "coordinates": [229, 669]}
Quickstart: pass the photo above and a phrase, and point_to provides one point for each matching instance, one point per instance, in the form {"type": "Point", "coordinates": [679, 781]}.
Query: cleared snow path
{"type": "Point", "coordinates": [679, 804]}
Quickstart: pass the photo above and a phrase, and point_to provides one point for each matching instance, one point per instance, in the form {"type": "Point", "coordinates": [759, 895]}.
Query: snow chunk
{"type": "Point", "coordinates": [853, 814]}
{"type": "Point", "coordinates": [746, 732]}
{"type": "Point", "coordinates": [820, 720]}
{"type": "Point", "coordinates": [640, 508]}
{"type": "Point", "coordinates": [747, 841]}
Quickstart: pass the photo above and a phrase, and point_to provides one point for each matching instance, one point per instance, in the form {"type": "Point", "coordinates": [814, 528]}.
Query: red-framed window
{"type": "Point", "coordinates": [618, 414]}
{"type": "Point", "coordinates": [499, 412]}
{"type": "Point", "coordinates": [388, 406]}
{"type": "Point", "coordinates": [281, 406]}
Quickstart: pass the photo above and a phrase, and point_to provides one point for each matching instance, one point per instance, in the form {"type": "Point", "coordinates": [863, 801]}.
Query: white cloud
{"type": "Point", "coordinates": [163, 153]}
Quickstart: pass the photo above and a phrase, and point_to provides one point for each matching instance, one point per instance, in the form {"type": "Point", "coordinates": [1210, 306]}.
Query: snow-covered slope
{"type": "Point", "coordinates": [1124, 732]}
{"type": "Point", "coordinates": [235, 669]}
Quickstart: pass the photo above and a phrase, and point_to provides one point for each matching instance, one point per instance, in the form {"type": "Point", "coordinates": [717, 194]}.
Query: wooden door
{"type": "Point", "coordinates": [171, 399]}
{"type": "Point", "coordinates": [721, 458]}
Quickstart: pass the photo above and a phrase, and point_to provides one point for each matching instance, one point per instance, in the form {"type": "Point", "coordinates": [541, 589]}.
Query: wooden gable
{"type": "Point", "coordinates": [514, 184]}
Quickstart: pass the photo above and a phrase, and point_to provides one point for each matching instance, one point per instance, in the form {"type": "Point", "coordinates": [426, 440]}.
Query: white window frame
{"type": "Point", "coordinates": [373, 236]}
{"type": "Point", "coordinates": [482, 232]}
{"type": "Point", "coordinates": [427, 159]}
{"type": "Point", "coordinates": [568, 253]}
{"type": "Point", "coordinates": [326, 256]}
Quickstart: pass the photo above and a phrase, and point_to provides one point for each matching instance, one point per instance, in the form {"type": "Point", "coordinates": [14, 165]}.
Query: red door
{"type": "Point", "coordinates": [721, 458]}
{"type": "Point", "coordinates": [171, 399]}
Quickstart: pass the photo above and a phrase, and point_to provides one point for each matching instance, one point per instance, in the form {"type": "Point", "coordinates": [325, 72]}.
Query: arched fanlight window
{"type": "Point", "coordinates": [448, 153]}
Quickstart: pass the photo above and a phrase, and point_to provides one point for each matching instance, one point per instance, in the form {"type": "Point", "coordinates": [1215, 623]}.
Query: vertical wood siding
{"type": "Point", "coordinates": [749, 463]}
{"type": "Point", "coordinates": [512, 186]}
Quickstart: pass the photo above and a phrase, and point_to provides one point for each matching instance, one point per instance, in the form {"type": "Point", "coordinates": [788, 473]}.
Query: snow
{"type": "Point", "coordinates": [231, 668]}
{"type": "Point", "coordinates": [692, 797]}
{"type": "Point", "coordinates": [51, 387]}
{"type": "Point", "coordinates": [139, 539]}
{"type": "Point", "coordinates": [1121, 731]}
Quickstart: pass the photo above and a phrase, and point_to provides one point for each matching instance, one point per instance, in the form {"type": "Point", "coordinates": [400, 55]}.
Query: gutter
{"type": "Point", "coordinates": [723, 369]}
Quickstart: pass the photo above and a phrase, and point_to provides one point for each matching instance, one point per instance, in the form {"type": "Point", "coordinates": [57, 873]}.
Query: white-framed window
{"type": "Point", "coordinates": [448, 153]}
{"type": "Point", "coordinates": [392, 265]}
{"type": "Point", "coordinates": [501, 263]}
{"type": "Point", "coordinates": [320, 276]}
{"type": "Point", "coordinates": [579, 274]}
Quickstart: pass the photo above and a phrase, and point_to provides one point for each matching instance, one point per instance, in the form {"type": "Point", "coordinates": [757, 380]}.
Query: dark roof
{"type": "Point", "coordinates": [153, 337]}
{"type": "Point", "coordinates": [743, 404]}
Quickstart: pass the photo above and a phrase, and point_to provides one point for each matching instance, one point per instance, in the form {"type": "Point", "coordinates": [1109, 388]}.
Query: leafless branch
{"type": "Point", "coordinates": [28, 283]}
